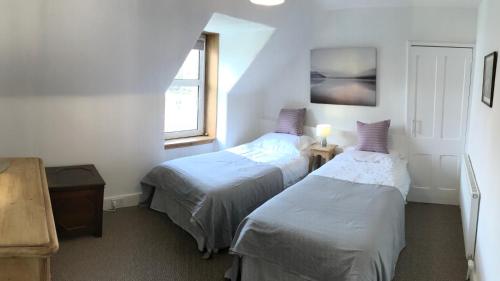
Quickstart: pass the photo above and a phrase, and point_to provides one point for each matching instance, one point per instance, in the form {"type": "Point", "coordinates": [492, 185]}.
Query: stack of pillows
{"type": "Point", "coordinates": [371, 137]}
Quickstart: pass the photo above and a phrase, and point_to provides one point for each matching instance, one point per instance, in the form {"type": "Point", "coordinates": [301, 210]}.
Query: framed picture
{"type": "Point", "coordinates": [345, 76]}
{"type": "Point", "coordinates": [490, 68]}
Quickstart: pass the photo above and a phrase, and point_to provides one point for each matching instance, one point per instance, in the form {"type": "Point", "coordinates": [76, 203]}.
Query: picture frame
{"type": "Point", "coordinates": [344, 76]}
{"type": "Point", "coordinates": [490, 65]}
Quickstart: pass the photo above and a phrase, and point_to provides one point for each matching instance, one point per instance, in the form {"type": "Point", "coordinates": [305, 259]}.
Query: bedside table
{"type": "Point", "coordinates": [321, 155]}
{"type": "Point", "coordinates": [76, 193]}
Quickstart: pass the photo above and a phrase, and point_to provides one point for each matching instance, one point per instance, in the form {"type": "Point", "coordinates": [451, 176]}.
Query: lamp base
{"type": "Point", "coordinates": [323, 142]}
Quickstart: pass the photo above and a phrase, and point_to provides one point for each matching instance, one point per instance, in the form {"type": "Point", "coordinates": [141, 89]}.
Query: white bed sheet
{"type": "Point", "coordinates": [293, 164]}
{"type": "Point", "coordinates": [369, 168]}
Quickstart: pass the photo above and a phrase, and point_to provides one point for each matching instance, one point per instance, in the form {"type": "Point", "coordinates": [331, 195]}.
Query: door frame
{"type": "Point", "coordinates": [412, 43]}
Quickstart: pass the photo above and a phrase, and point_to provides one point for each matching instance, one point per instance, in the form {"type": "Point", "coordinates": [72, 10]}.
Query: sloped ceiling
{"type": "Point", "coordinates": [240, 43]}
{"type": "Point", "coordinates": [348, 4]}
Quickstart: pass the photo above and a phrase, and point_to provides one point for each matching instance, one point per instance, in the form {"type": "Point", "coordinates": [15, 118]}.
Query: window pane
{"type": "Point", "coordinates": [181, 109]}
{"type": "Point", "coordinates": [191, 67]}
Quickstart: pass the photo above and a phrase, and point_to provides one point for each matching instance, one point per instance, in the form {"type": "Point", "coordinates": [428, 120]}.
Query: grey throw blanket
{"type": "Point", "coordinates": [327, 229]}
{"type": "Point", "coordinates": [218, 189]}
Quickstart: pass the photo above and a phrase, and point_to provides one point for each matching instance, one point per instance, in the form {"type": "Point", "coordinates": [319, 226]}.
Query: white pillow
{"type": "Point", "coordinates": [283, 142]}
{"type": "Point", "coordinates": [372, 157]}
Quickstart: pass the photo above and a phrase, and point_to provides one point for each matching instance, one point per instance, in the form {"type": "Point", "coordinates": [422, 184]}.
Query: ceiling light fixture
{"type": "Point", "coordinates": [268, 2]}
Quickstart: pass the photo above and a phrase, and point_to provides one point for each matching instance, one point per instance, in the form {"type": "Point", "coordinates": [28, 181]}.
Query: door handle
{"type": "Point", "coordinates": [414, 128]}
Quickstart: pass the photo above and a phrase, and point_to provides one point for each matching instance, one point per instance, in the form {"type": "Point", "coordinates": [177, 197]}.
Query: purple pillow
{"type": "Point", "coordinates": [291, 121]}
{"type": "Point", "coordinates": [373, 137]}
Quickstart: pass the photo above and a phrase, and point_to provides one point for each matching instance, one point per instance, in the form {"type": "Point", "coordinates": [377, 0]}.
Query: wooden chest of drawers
{"type": "Point", "coordinates": [76, 193]}
{"type": "Point", "coordinates": [27, 233]}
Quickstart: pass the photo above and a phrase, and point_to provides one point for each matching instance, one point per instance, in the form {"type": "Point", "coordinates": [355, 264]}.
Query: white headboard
{"type": "Point", "coordinates": [343, 138]}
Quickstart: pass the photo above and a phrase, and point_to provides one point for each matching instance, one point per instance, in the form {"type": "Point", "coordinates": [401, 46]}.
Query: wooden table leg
{"type": "Point", "coordinates": [319, 160]}
{"type": "Point", "coordinates": [98, 227]}
{"type": "Point", "coordinates": [311, 163]}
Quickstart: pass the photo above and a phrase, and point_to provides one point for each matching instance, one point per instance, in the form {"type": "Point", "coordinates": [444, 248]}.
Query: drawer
{"type": "Point", "coordinates": [25, 269]}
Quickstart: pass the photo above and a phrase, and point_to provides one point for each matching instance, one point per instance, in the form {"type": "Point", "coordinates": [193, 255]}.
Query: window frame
{"type": "Point", "coordinates": [200, 83]}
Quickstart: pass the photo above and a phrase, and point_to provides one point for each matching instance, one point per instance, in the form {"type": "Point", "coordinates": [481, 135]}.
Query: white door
{"type": "Point", "coordinates": [438, 100]}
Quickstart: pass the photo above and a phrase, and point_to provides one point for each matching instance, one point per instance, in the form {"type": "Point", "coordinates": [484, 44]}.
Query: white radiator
{"type": "Point", "coordinates": [469, 205]}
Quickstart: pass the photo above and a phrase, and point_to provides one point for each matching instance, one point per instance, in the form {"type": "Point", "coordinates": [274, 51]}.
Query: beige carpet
{"type": "Point", "coordinates": [143, 245]}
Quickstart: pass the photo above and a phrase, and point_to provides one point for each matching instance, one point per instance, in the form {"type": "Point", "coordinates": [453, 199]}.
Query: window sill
{"type": "Point", "coordinates": [184, 142]}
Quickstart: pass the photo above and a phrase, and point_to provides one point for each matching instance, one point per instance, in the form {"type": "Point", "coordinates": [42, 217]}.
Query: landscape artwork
{"type": "Point", "coordinates": [346, 76]}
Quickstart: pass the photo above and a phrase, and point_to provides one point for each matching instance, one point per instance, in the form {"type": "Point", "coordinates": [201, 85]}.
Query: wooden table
{"type": "Point", "coordinates": [27, 231]}
{"type": "Point", "coordinates": [321, 155]}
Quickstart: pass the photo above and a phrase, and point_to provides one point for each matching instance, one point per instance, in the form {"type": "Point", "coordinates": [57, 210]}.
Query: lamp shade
{"type": "Point", "coordinates": [268, 2]}
{"type": "Point", "coordinates": [323, 130]}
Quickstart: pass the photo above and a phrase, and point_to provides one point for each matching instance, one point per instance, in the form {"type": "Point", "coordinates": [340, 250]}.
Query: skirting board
{"type": "Point", "coordinates": [122, 201]}
{"type": "Point", "coordinates": [474, 276]}
{"type": "Point", "coordinates": [433, 196]}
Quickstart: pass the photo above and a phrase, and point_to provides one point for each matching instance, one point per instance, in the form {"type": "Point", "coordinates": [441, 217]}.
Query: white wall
{"type": "Point", "coordinates": [387, 29]}
{"type": "Point", "coordinates": [484, 136]}
{"type": "Point", "coordinates": [236, 54]}
{"type": "Point", "coordinates": [83, 81]}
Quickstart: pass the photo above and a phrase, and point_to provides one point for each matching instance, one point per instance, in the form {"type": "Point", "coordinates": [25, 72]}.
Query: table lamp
{"type": "Point", "coordinates": [323, 131]}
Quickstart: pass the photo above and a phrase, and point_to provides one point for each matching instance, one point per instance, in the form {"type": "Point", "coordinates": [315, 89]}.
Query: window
{"type": "Point", "coordinates": [191, 99]}
{"type": "Point", "coordinates": [185, 98]}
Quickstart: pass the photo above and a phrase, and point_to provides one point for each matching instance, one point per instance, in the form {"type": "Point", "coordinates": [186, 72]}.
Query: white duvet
{"type": "Point", "coordinates": [287, 152]}
{"type": "Point", "coordinates": [369, 168]}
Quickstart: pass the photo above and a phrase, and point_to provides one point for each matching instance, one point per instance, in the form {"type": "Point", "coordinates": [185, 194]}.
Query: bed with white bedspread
{"type": "Point", "coordinates": [345, 221]}
{"type": "Point", "coordinates": [208, 195]}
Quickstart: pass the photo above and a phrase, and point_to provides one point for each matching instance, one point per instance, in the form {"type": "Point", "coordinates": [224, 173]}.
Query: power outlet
{"type": "Point", "coordinates": [115, 204]}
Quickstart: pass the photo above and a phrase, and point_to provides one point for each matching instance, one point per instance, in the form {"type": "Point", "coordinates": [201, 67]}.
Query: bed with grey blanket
{"type": "Point", "coordinates": [322, 229]}
{"type": "Point", "coordinates": [208, 195]}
